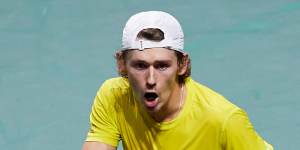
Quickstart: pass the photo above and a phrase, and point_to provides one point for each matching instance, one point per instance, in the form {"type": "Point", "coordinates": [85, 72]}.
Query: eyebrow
{"type": "Point", "coordinates": [155, 62]}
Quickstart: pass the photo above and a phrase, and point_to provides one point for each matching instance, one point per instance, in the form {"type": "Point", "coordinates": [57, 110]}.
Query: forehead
{"type": "Point", "coordinates": [152, 54]}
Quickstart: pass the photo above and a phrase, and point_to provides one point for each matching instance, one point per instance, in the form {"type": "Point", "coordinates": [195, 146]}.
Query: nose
{"type": "Point", "coordinates": [151, 81]}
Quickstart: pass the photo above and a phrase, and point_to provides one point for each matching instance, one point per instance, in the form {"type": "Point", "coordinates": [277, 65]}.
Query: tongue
{"type": "Point", "coordinates": [150, 98]}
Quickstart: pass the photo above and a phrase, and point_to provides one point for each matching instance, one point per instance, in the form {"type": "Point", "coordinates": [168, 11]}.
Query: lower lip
{"type": "Point", "coordinates": [151, 104]}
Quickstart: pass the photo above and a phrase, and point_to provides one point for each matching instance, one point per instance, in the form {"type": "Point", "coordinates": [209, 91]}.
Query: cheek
{"type": "Point", "coordinates": [171, 74]}
{"type": "Point", "coordinates": [136, 80]}
{"type": "Point", "coordinates": [169, 79]}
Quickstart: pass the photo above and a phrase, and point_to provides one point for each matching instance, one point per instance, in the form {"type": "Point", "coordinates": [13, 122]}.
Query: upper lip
{"type": "Point", "coordinates": [150, 92]}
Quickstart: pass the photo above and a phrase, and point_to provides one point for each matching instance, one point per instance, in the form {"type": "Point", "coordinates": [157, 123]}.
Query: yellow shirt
{"type": "Point", "coordinates": [207, 121]}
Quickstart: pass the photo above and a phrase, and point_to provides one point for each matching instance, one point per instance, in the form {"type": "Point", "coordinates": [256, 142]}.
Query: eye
{"type": "Point", "coordinates": [140, 65]}
{"type": "Point", "coordinates": [162, 66]}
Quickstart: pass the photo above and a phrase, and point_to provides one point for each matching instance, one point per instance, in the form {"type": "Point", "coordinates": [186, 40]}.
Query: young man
{"type": "Point", "coordinates": [156, 105]}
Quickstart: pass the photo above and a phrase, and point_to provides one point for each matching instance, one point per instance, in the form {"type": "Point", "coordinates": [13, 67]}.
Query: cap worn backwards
{"type": "Point", "coordinates": [173, 34]}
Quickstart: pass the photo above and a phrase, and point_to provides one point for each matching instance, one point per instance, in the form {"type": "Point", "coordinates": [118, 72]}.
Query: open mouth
{"type": "Point", "coordinates": [150, 96]}
{"type": "Point", "coordinates": [151, 100]}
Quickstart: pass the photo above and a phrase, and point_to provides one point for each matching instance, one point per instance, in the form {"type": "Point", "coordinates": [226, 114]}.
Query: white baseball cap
{"type": "Point", "coordinates": [173, 34]}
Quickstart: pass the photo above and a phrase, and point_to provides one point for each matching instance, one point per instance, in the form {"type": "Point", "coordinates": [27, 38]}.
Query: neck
{"type": "Point", "coordinates": [173, 107]}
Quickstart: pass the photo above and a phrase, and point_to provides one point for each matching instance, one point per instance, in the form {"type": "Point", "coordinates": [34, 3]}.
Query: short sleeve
{"type": "Point", "coordinates": [103, 126]}
{"type": "Point", "coordinates": [239, 134]}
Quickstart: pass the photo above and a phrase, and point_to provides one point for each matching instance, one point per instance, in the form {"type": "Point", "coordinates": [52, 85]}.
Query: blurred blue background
{"type": "Point", "coordinates": [54, 54]}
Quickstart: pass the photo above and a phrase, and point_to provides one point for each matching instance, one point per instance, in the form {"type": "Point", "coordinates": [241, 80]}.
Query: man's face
{"type": "Point", "coordinates": [153, 75]}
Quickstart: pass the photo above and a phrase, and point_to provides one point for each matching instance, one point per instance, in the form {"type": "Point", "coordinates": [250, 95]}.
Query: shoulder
{"type": "Point", "coordinates": [211, 102]}
{"type": "Point", "coordinates": [115, 83]}
{"type": "Point", "coordinates": [231, 121]}
{"type": "Point", "coordinates": [113, 90]}
{"type": "Point", "coordinates": [208, 97]}
{"type": "Point", "coordinates": [112, 86]}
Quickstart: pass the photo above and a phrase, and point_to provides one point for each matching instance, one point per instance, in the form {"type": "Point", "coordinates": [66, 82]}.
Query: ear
{"type": "Point", "coordinates": [121, 63]}
{"type": "Point", "coordinates": [183, 66]}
